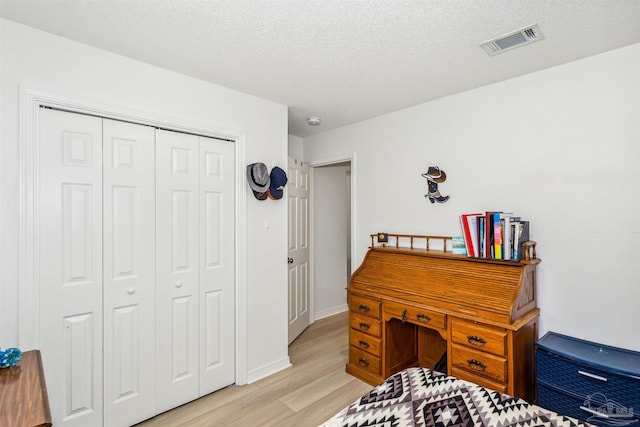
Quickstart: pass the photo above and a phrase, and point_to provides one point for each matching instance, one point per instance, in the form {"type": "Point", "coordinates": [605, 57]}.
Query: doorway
{"type": "Point", "coordinates": [330, 227]}
{"type": "Point", "coordinates": [332, 213]}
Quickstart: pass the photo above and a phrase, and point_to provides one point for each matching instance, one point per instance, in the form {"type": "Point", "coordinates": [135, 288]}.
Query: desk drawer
{"type": "Point", "coordinates": [477, 379]}
{"type": "Point", "coordinates": [364, 361]}
{"type": "Point", "coordinates": [364, 324]}
{"type": "Point", "coordinates": [482, 337]}
{"type": "Point", "coordinates": [416, 315]}
{"type": "Point", "coordinates": [479, 363]}
{"type": "Point", "coordinates": [364, 306]}
{"type": "Point", "coordinates": [365, 342]}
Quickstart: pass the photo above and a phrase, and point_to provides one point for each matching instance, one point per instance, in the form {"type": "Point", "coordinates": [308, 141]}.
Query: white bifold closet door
{"type": "Point", "coordinates": [177, 268]}
{"type": "Point", "coordinates": [97, 268]}
{"type": "Point", "coordinates": [217, 264]}
{"type": "Point", "coordinates": [129, 289]}
{"type": "Point", "coordinates": [195, 259]}
{"type": "Point", "coordinates": [70, 265]}
{"type": "Point", "coordinates": [136, 268]}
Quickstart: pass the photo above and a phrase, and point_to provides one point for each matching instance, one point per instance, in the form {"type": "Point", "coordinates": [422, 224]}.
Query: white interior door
{"type": "Point", "coordinates": [129, 272]}
{"type": "Point", "coordinates": [217, 264]}
{"type": "Point", "coordinates": [176, 268]}
{"type": "Point", "coordinates": [70, 265]}
{"type": "Point", "coordinates": [298, 238]}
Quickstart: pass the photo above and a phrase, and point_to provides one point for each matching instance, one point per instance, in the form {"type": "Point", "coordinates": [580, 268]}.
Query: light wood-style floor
{"type": "Point", "coordinates": [306, 394]}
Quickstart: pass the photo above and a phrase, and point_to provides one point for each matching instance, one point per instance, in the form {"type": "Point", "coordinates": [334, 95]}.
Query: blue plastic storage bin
{"type": "Point", "coordinates": [595, 383]}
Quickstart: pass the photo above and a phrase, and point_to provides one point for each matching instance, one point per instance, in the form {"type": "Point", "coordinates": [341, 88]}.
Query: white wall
{"type": "Point", "coordinates": [59, 66]}
{"type": "Point", "coordinates": [560, 147]}
{"type": "Point", "coordinates": [330, 238]}
{"type": "Point", "coordinates": [295, 147]}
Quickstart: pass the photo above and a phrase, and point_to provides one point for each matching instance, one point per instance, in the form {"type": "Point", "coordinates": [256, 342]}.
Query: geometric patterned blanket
{"type": "Point", "coordinates": [418, 397]}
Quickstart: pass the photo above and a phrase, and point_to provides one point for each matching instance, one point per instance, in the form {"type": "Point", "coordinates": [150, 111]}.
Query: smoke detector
{"type": "Point", "coordinates": [313, 121]}
{"type": "Point", "coordinates": [521, 37]}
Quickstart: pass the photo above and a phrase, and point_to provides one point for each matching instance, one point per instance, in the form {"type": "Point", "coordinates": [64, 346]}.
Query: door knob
{"type": "Point", "coordinates": [131, 291]}
{"type": "Point", "coordinates": [178, 284]}
{"type": "Point", "coordinates": [290, 260]}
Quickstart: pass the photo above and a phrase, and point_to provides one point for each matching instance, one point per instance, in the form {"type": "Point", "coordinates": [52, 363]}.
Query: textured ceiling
{"type": "Point", "coordinates": [343, 60]}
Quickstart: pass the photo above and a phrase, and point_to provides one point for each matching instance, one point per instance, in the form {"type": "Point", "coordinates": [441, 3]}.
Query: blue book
{"type": "Point", "coordinates": [481, 220]}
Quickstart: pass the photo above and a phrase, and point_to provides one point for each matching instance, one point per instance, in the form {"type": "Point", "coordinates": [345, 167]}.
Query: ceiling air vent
{"type": "Point", "coordinates": [513, 40]}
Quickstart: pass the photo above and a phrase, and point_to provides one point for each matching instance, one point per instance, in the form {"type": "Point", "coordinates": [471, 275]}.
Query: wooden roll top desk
{"type": "Point", "coordinates": [408, 307]}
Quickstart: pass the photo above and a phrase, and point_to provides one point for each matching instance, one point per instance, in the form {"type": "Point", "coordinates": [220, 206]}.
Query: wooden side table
{"type": "Point", "coordinates": [23, 393]}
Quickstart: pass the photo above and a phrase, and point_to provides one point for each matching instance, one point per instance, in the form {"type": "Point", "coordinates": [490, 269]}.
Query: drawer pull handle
{"type": "Point", "coordinates": [363, 308]}
{"type": "Point", "coordinates": [404, 316]}
{"type": "Point", "coordinates": [363, 344]}
{"type": "Point", "coordinates": [423, 317]}
{"type": "Point", "coordinates": [596, 413]}
{"type": "Point", "coordinates": [363, 362]}
{"type": "Point", "coordinates": [364, 326]}
{"type": "Point", "coordinates": [594, 376]}
{"type": "Point", "coordinates": [477, 341]}
{"type": "Point", "coordinates": [476, 365]}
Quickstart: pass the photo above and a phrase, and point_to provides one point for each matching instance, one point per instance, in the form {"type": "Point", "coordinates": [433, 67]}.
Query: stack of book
{"type": "Point", "coordinates": [495, 235]}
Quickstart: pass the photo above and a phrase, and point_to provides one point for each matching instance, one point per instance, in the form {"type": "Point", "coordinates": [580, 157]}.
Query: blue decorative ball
{"type": "Point", "coordinates": [9, 357]}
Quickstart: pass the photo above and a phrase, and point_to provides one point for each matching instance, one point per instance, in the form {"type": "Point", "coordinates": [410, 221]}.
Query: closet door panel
{"type": "Point", "coordinates": [217, 264]}
{"type": "Point", "coordinates": [129, 272]}
{"type": "Point", "coordinates": [182, 351]}
{"type": "Point", "coordinates": [176, 268]}
{"type": "Point", "coordinates": [69, 222]}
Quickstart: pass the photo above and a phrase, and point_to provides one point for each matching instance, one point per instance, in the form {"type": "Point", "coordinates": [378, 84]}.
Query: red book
{"type": "Point", "coordinates": [469, 233]}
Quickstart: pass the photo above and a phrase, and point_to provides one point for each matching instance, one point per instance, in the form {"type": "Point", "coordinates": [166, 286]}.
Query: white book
{"type": "Point", "coordinates": [509, 219]}
{"type": "Point", "coordinates": [516, 240]}
{"type": "Point", "coordinates": [473, 230]}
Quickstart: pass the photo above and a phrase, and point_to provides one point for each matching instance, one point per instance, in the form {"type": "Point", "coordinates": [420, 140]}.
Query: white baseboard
{"type": "Point", "coordinates": [268, 369]}
{"type": "Point", "coordinates": [284, 363]}
{"type": "Point", "coordinates": [331, 311]}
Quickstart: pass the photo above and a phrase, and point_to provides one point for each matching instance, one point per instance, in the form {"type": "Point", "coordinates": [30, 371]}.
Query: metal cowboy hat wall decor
{"type": "Point", "coordinates": [435, 176]}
